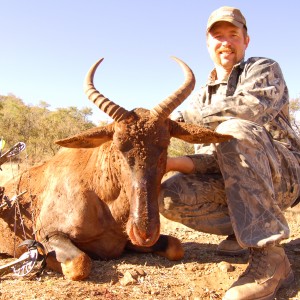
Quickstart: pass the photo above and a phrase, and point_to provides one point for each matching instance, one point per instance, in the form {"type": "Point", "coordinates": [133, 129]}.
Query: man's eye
{"type": "Point", "coordinates": [218, 37]}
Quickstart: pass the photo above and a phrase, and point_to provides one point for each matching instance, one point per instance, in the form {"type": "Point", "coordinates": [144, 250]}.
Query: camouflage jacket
{"type": "Point", "coordinates": [255, 91]}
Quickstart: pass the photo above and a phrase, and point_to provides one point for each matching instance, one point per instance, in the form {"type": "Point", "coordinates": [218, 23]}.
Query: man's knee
{"type": "Point", "coordinates": [234, 125]}
{"type": "Point", "coordinates": [170, 189]}
{"type": "Point", "coordinates": [242, 129]}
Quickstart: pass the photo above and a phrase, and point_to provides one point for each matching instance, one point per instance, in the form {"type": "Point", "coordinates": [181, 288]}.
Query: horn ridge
{"type": "Point", "coordinates": [167, 106]}
{"type": "Point", "coordinates": [115, 111]}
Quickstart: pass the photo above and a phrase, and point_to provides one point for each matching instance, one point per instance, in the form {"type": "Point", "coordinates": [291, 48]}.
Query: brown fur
{"type": "Point", "coordinates": [101, 193]}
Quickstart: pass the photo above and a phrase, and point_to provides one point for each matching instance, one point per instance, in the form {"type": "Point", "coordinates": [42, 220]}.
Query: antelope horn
{"type": "Point", "coordinates": [165, 108]}
{"type": "Point", "coordinates": [115, 111]}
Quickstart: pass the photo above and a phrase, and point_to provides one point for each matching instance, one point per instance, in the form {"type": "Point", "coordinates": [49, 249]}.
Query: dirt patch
{"type": "Point", "coordinates": [202, 274]}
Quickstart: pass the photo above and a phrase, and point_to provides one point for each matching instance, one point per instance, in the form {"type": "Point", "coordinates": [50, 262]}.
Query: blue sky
{"type": "Point", "coordinates": [48, 46]}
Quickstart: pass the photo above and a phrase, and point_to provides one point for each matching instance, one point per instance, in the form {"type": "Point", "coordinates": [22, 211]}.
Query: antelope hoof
{"type": "Point", "coordinates": [78, 268]}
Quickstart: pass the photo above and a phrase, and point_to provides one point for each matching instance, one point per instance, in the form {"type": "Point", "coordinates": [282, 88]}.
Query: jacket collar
{"type": "Point", "coordinates": [235, 70]}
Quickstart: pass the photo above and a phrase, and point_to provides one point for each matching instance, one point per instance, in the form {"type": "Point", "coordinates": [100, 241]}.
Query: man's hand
{"type": "Point", "coordinates": [183, 164]}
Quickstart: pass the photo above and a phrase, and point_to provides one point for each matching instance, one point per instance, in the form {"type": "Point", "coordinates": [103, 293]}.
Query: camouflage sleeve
{"type": "Point", "coordinates": [260, 94]}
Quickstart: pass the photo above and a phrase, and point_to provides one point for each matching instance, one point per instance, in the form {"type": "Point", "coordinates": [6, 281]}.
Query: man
{"type": "Point", "coordinates": [240, 188]}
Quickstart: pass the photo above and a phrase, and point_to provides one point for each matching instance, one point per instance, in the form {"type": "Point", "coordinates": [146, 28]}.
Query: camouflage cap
{"type": "Point", "coordinates": [228, 14]}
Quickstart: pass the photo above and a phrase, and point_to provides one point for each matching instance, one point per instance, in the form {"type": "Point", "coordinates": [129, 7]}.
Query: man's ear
{"type": "Point", "coordinates": [247, 41]}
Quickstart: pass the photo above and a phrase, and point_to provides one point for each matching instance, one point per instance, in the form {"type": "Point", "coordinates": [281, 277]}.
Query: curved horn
{"type": "Point", "coordinates": [115, 111]}
{"type": "Point", "coordinates": [165, 108]}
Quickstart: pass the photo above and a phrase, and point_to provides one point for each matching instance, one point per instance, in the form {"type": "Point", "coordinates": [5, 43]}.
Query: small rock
{"type": "Point", "coordinates": [226, 267]}
{"type": "Point", "coordinates": [127, 279]}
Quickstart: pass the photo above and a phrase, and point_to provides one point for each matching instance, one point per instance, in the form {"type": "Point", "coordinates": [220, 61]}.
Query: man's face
{"type": "Point", "coordinates": [226, 44]}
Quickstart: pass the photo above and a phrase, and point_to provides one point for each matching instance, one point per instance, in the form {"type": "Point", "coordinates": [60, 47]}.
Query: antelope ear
{"type": "Point", "coordinates": [196, 134]}
{"type": "Point", "coordinates": [90, 138]}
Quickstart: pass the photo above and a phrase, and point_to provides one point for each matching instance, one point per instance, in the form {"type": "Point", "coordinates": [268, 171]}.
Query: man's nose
{"type": "Point", "coordinates": [226, 42]}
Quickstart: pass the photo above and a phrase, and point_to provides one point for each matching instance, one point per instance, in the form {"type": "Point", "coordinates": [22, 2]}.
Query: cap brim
{"type": "Point", "coordinates": [230, 20]}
